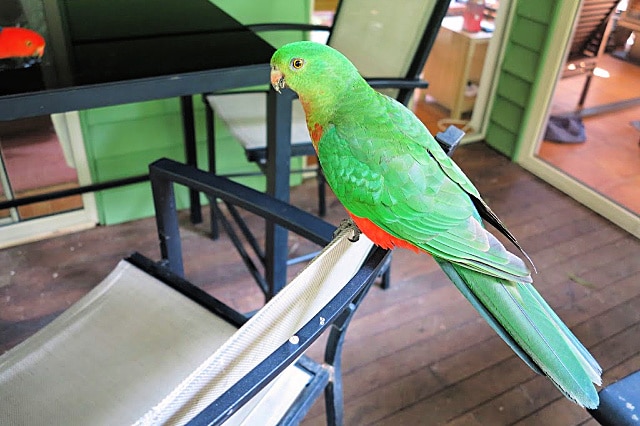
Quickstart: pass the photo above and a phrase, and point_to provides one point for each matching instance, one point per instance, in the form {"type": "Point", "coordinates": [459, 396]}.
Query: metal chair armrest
{"type": "Point", "coordinates": [261, 27]}
{"type": "Point", "coordinates": [397, 83]}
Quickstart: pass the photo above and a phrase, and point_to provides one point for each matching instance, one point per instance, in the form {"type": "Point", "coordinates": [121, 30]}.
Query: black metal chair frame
{"type": "Point", "coordinates": [338, 313]}
{"type": "Point", "coordinates": [619, 402]}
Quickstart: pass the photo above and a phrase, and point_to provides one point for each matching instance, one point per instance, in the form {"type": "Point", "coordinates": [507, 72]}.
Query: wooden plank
{"type": "Point", "coordinates": [509, 115]}
{"type": "Point", "coordinates": [559, 412]}
{"type": "Point", "coordinates": [521, 61]}
{"type": "Point", "coordinates": [500, 138]}
{"type": "Point", "coordinates": [514, 89]}
{"type": "Point", "coordinates": [455, 400]}
{"type": "Point", "coordinates": [531, 34]}
{"type": "Point", "coordinates": [540, 11]}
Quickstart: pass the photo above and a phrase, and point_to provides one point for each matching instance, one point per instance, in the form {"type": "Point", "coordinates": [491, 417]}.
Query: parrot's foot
{"type": "Point", "coordinates": [346, 225]}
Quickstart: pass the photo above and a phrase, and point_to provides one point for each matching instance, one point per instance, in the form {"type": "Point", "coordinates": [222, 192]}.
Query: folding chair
{"type": "Point", "coordinates": [147, 347]}
{"type": "Point", "coordinates": [387, 41]}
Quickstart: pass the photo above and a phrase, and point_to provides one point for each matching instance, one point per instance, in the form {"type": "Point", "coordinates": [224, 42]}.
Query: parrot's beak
{"type": "Point", "coordinates": [277, 79]}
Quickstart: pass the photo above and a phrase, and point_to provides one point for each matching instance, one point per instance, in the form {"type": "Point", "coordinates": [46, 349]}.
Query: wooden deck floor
{"type": "Point", "coordinates": [416, 353]}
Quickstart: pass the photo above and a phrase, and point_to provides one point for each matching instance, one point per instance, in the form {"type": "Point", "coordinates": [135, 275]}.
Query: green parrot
{"type": "Point", "coordinates": [401, 190]}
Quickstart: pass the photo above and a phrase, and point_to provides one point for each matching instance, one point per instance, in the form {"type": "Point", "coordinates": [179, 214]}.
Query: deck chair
{"type": "Point", "coordinates": [619, 402]}
{"type": "Point", "coordinates": [147, 347]}
{"type": "Point", "coordinates": [387, 41]}
{"type": "Point", "coordinates": [589, 41]}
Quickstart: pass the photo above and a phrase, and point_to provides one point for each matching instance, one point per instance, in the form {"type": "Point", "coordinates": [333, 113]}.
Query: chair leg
{"type": "Point", "coordinates": [211, 154]}
{"type": "Point", "coordinates": [322, 201]}
{"type": "Point", "coordinates": [585, 89]}
{"type": "Point", "coordinates": [333, 394]}
{"type": "Point", "coordinates": [386, 274]}
{"type": "Point", "coordinates": [334, 401]}
{"type": "Point", "coordinates": [191, 154]}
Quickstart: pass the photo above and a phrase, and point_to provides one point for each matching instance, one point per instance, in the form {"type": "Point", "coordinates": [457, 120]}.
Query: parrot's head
{"type": "Point", "coordinates": [312, 70]}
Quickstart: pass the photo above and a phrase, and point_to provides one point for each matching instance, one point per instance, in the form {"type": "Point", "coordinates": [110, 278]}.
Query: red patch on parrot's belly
{"type": "Point", "coordinates": [380, 237]}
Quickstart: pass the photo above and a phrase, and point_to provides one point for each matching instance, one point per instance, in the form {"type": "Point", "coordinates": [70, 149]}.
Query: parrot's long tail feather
{"type": "Point", "coordinates": [590, 363]}
{"type": "Point", "coordinates": [518, 313]}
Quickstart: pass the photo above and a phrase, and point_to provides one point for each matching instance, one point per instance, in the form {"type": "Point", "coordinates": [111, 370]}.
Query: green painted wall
{"type": "Point", "coordinates": [524, 57]}
{"type": "Point", "coordinates": [122, 140]}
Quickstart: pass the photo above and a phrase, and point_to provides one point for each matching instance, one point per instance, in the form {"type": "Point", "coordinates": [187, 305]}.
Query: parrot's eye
{"type": "Point", "coordinates": [297, 63]}
{"type": "Point", "coordinates": [28, 43]}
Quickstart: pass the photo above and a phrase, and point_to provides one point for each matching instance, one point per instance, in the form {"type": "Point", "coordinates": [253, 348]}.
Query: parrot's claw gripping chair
{"type": "Point", "coordinates": [387, 41]}
{"type": "Point", "coordinates": [147, 347]}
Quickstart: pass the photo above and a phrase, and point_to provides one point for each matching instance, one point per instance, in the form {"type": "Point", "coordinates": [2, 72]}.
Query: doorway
{"type": "Point", "coordinates": [608, 159]}
{"type": "Point", "coordinates": [603, 170]}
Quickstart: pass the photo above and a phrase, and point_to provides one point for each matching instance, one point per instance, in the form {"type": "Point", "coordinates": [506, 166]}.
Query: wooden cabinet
{"type": "Point", "coordinates": [457, 58]}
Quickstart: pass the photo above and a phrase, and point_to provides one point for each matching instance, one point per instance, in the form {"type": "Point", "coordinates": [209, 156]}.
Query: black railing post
{"type": "Point", "coordinates": [191, 156]}
{"type": "Point", "coordinates": [164, 201]}
{"type": "Point", "coordinates": [278, 171]}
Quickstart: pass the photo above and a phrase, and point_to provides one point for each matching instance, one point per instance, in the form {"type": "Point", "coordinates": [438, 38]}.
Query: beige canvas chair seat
{"type": "Point", "coordinates": [135, 350]}
{"type": "Point", "coordinates": [120, 348]}
{"type": "Point", "coordinates": [245, 115]}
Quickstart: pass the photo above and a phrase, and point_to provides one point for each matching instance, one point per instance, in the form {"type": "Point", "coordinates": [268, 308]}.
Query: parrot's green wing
{"type": "Point", "coordinates": [414, 130]}
{"type": "Point", "coordinates": [386, 173]}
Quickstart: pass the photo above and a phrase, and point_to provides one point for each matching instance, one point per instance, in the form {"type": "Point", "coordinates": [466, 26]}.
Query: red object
{"type": "Point", "coordinates": [472, 16]}
{"type": "Point", "coordinates": [18, 42]}
{"type": "Point", "coordinates": [380, 237]}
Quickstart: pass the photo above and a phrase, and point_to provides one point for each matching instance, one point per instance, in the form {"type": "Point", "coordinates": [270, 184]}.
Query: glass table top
{"type": "Point", "coordinates": [96, 42]}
